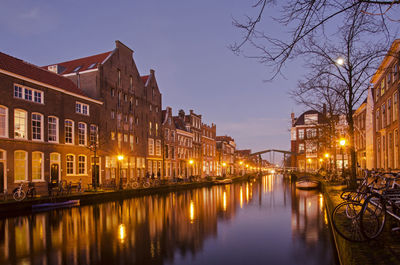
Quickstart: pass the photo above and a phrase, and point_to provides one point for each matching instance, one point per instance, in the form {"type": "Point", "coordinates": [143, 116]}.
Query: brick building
{"type": "Point", "coordinates": [46, 126]}
{"type": "Point", "coordinates": [185, 161]}
{"type": "Point", "coordinates": [113, 78]}
{"type": "Point", "coordinates": [209, 149]}
{"type": "Point", "coordinates": [385, 93]}
{"type": "Point", "coordinates": [193, 124]}
{"type": "Point", "coordinates": [226, 147]}
{"type": "Point", "coordinates": [170, 143]}
{"type": "Point", "coordinates": [307, 141]}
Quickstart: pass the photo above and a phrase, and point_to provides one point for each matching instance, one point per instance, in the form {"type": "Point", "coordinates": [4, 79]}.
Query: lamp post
{"type": "Point", "coordinates": [342, 143]}
{"type": "Point", "coordinates": [223, 169]}
{"type": "Point", "coordinates": [120, 158]}
{"type": "Point", "coordinates": [328, 164]}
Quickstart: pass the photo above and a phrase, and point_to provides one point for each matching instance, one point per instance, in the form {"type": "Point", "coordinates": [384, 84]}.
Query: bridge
{"type": "Point", "coordinates": [284, 152]}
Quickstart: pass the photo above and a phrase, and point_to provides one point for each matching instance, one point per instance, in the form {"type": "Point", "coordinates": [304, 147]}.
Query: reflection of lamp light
{"type": "Point", "coordinates": [224, 201]}
{"type": "Point", "coordinates": [122, 232]}
{"type": "Point", "coordinates": [191, 212]}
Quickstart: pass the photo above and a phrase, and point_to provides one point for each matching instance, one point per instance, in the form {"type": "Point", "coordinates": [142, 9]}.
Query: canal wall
{"type": "Point", "coordinates": [13, 208]}
{"type": "Point", "coordinates": [384, 250]}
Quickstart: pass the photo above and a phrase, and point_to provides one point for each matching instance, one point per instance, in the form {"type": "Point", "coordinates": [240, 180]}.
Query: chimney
{"type": "Point", "coordinates": [293, 119]}
{"type": "Point", "coordinates": [181, 114]}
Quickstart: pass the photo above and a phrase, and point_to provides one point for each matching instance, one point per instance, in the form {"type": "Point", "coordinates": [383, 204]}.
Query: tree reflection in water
{"type": "Point", "coordinates": [166, 228]}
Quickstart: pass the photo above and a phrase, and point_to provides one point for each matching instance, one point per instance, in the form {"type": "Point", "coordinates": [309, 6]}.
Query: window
{"type": "Point", "coordinates": [70, 164]}
{"type": "Point", "coordinates": [166, 134]}
{"type": "Point", "coordinates": [119, 77]}
{"type": "Point", "coordinates": [77, 69]}
{"type": "Point", "coordinates": [125, 138]}
{"type": "Point", "coordinates": [389, 79]}
{"type": "Point", "coordinates": [382, 86]}
{"type": "Point", "coordinates": [158, 147]}
{"type": "Point", "coordinates": [81, 165]}
{"type": "Point", "coordinates": [377, 123]}
{"type": "Point", "coordinates": [119, 117]}
{"type": "Point", "coordinates": [131, 83]}
{"type": "Point", "coordinates": [81, 133]}
{"type": "Point", "coordinates": [293, 134]}
{"type": "Point", "coordinates": [383, 108]}
{"type": "Point", "coordinates": [92, 65]}
{"type": "Point", "coordinates": [131, 142]}
{"type": "Point", "coordinates": [20, 166]}
{"type": "Point", "coordinates": [389, 110]}
{"type": "Point", "coordinates": [301, 148]}
{"type": "Point", "coordinates": [112, 92]}
{"type": "Point", "coordinates": [20, 124]}
{"type": "Point", "coordinates": [53, 129]}
{"type": "Point", "coordinates": [37, 166]}
{"type": "Point", "coordinates": [395, 107]}
{"type": "Point", "coordinates": [82, 108]}
{"type": "Point", "coordinates": [151, 146]}
{"type": "Point", "coordinates": [112, 114]}
{"type": "Point", "coordinates": [395, 71]}
{"type": "Point", "coordinates": [311, 133]}
{"type": "Point", "coordinates": [156, 129]}
{"type": "Point", "coordinates": [3, 121]}
{"type": "Point", "coordinates": [37, 126]}
{"type": "Point", "coordinates": [172, 136]}
{"type": "Point", "coordinates": [137, 140]}
{"type": "Point", "coordinates": [28, 93]}
{"type": "Point", "coordinates": [130, 122]}
{"type": "Point", "coordinates": [137, 102]}
{"type": "Point", "coordinates": [301, 134]}
{"type": "Point", "coordinates": [119, 140]}
{"type": "Point", "coordinates": [150, 125]}
{"type": "Point", "coordinates": [113, 136]}
{"type": "Point", "coordinates": [69, 131]}
{"type": "Point", "coordinates": [94, 137]}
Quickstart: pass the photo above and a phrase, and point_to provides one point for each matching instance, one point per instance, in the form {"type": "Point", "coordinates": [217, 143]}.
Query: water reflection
{"type": "Point", "coordinates": [174, 228]}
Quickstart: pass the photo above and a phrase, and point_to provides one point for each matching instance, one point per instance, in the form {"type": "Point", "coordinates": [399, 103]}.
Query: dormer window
{"type": "Point", "coordinates": [92, 65]}
{"type": "Point", "coordinates": [77, 69]}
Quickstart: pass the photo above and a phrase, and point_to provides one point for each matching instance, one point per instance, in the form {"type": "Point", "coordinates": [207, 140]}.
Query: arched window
{"type": "Point", "coordinates": [20, 124]}
{"type": "Point", "coordinates": [20, 165]}
{"type": "Point", "coordinates": [70, 164]}
{"type": "Point", "coordinates": [3, 121]}
{"type": "Point", "coordinates": [69, 131]}
{"type": "Point", "coordinates": [37, 126]}
{"type": "Point", "coordinates": [37, 166]}
{"type": "Point", "coordinates": [81, 164]}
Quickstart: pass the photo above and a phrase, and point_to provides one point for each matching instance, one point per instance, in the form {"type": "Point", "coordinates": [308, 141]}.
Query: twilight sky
{"type": "Point", "coordinates": [184, 41]}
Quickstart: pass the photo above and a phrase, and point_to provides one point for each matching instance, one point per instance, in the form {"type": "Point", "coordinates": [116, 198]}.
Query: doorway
{"type": "Point", "coordinates": [2, 177]}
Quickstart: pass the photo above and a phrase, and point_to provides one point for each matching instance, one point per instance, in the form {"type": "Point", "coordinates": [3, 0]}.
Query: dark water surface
{"type": "Point", "coordinates": [266, 221]}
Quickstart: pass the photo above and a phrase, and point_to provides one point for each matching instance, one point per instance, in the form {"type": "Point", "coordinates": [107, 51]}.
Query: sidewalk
{"type": "Point", "coordinates": [12, 207]}
{"type": "Point", "coordinates": [383, 250]}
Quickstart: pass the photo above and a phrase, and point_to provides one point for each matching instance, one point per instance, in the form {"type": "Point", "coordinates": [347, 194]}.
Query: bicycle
{"type": "Point", "coordinates": [20, 194]}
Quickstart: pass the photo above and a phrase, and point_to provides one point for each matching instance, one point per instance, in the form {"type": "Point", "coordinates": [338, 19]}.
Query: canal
{"type": "Point", "coordinates": [265, 221]}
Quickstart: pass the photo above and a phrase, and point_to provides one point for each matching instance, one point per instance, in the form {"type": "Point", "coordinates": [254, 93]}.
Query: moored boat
{"type": "Point", "coordinates": [307, 183]}
{"type": "Point", "coordinates": [223, 181]}
{"type": "Point", "coordinates": [53, 205]}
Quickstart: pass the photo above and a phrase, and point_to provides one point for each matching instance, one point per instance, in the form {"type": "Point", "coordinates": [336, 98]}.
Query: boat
{"type": "Point", "coordinates": [307, 184]}
{"type": "Point", "coordinates": [223, 181]}
{"type": "Point", "coordinates": [54, 205]}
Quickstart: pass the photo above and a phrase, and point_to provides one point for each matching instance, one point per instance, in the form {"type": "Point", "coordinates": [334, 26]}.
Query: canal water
{"type": "Point", "coordinates": [265, 221]}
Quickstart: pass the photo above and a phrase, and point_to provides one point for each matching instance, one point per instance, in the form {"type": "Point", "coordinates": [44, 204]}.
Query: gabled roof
{"type": "Point", "coordinates": [225, 138]}
{"type": "Point", "coordinates": [27, 70]}
{"type": "Point", "coordinates": [86, 63]}
{"type": "Point", "coordinates": [300, 120]}
{"type": "Point", "coordinates": [179, 123]}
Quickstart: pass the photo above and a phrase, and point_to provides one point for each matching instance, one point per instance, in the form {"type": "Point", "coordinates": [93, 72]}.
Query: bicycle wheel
{"type": "Point", "coordinates": [19, 195]}
{"type": "Point", "coordinates": [146, 184]}
{"type": "Point", "coordinates": [373, 216]}
{"type": "Point", "coordinates": [346, 221]}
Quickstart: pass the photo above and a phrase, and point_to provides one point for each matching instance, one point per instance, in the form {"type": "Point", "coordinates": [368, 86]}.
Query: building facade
{"type": "Point", "coordinates": [169, 143]}
{"type": "Point", "coordinates": [385, 91]}
{"type": "Point", "coordinates": [359, 118]}
{"type": "Point", "coordinates": [185, 161]}
{"type": "Point", "coordinates": [226, 147]}
{"type": "Point", "coordinates": [209, 149]}
{"type": "Point", "coordinates": [131, 111]}
{"type": "Point", "coordinates": [46, 127]}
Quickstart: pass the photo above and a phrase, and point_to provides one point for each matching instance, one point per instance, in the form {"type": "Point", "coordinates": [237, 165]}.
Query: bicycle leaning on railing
{"type": "Point", "coordinates": [20, 194]}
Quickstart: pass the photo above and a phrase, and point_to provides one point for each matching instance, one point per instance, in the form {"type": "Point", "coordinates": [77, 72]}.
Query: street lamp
{"type": "Point", "coordinates": [120, 158]}
{"type": "Point", "coordinates": [340, 61]}
{"type": "Point", "coordinates": [342, 143]}
{"type": "Point", "coordinates": [191, 168]}
{"type": "Point", "coordinates": [223, 169]}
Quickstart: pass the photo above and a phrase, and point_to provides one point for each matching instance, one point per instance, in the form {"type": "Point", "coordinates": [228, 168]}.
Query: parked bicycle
{"type": "Point", "coordinates": [20, 194]}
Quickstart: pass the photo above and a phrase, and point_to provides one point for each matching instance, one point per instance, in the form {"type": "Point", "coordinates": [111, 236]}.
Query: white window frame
{"type": "Point", "coordinates": [93, 134]}
{"type": "Point", "coordinates": [5, 135]}
{"type": "Point", "coordinates": [41, 167]}
{"type": "Point", "coordinates": [84, 134]}
{"type": "Point", "coordinates": [79, 106]}
{"type": "Point", "coordinates": [26, 166]}
{"type": "Point", "coordinates": [84, 165]}
{"type": "Point", "coordinates": [72, 134]}
{"type": "Point", "coordinates": [26, 124]}
{"type": "Point", "coordinates": [151, 146]}
{"type": "Point", "coordinates": [41, 126]}
{"type": "Point", "coordinates": [56, 129]}
{"type": "Point", "coordinates": [28, 93]}
{"type": "Point", "coordinates": [73, 164]}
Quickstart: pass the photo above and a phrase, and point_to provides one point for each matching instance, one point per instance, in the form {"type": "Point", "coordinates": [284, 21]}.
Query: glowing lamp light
{"type": "Point", "coordinates": [224, 164]}
{"type": "Point", "coordinates": [340, 61]}
{"type": "Point", "coordinates": [342, 142]}
{"type": "Point", "coordinates": [326, 155]}
{"type": "Point", "coordinates": [191, 161]}
{"type": "Point", "coordinates": [120, 157]}
{"type": "Point", "coordinates": [309, 160]}
{"type": "Point", "coordinates": [320, 160]}
{"type": "Point", "coordinates": [241, 163]}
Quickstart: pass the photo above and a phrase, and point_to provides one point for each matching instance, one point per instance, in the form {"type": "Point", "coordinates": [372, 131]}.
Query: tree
{"type": "Point", "coordinates": [344, 67]}
{"type": "Point", "coordinates": [305, 18]}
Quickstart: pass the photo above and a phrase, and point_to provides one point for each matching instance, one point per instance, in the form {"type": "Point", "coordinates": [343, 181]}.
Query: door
{"type": "Point", "coordinates": [95, 175]}
{"type": "Point", "coordinates": [1, 177]}
{"type": "Point", "coordinates": [54, 173]}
